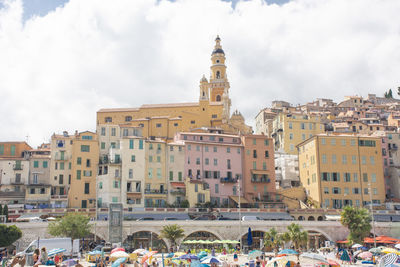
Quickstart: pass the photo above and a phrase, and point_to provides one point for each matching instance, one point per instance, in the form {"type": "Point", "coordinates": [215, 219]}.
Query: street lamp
{"type": "Point", "coordinates": [372, 212]}
{"type": "Point", "coordinates": [240, 218]}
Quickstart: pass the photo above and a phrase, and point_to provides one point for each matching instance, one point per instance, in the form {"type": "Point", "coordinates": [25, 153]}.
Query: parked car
{"type": "Point", "coordinates": [170, 219]}
{"type": "Point", "coordinates": [145, 219]}
{"type": "Point", "coordinates": [252, 218]}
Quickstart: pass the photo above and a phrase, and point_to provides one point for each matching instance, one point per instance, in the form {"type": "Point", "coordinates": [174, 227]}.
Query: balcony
{"type": "Point", "coordinates": [61, 197]}
{"type": "Point", "coordinates": [156, 191]}
{"type": "Point", "coordinates": [131, 192]}
{"type": "Point", "coordinates": [228, 180]}
{"type": "Point", "coordinates": [260, 180]}
{"type": "Point", "coordinates": [18, 167]}
{"type": "Point", "coordinates": [61, 157]}
{"type": "Point", "coordinates": [177, 192]}
{"type": "Point", "coordinates": [106, 160]}
{"type": "Point", "coordinates": [16, 181]}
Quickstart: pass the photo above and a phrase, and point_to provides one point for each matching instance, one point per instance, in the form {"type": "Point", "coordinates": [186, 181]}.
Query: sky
{"type": "Point", "coordinates": [61, 61]}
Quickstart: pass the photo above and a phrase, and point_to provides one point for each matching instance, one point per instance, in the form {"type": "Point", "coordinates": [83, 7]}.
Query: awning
{"type": "Point", "coordinates": [178, 185]}
{"type": "Point", "coordinates": [259, 172]}
{"type": "Point", "coordinates": [236, 199]}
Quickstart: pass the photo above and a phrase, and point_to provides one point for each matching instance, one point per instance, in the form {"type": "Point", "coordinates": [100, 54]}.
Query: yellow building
{"type": "Point", "coordinates": [290, 129]}
{"type": "Point", "coordinates": [155, 192]}
{"type": "Point", "coordinates": [84, 162]}
{"type": "Point", "coordinates": [164, 120]}
{"type": "Point", "coordinates": [197, 192]}
{"type": "Point", "coordinates": [337, 170]}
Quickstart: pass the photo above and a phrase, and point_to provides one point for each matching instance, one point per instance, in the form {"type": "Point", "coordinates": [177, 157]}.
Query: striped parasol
{"type": "Point", "coordinates": [56, 251]}
{"type": "Point", "coordinates": [345, 256]}
{"type": "Point", "coordinates": [388, 259]}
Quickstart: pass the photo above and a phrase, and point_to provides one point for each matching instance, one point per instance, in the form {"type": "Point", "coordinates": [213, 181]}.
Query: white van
{"type": "Point", "coordinates": [252, 218]}
{"type": "Point", "coordinates": [50, 244]}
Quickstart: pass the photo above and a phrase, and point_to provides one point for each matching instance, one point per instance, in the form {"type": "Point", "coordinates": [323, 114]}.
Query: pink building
{"type": "Point", "coordinates": [215, 159]}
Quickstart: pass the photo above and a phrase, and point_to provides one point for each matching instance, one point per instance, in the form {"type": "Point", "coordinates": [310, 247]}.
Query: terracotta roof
{"type": "Point", "coordinates": [178, 185]}
{"type": "Point", "coordinates": [170, 105]}
{"type": "Point", "coordinates": [117, 109]}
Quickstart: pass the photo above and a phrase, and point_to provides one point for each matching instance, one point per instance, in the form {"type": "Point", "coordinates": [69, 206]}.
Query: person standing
{"type": "Point", "coordinates": [43, 256]}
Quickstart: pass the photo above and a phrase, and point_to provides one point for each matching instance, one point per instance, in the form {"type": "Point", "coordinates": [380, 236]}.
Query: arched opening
{"type": "Point", "coordinates": [311, 218]}
{"type": "Point", "coordinates": [301, 218]}
{"type": "Point", "coordinates": [218, 98]}
{"type": "Point", "coordinates": [316, 240]}
{"type": "Point", "coordinates": [218, 75]}
{"type": "Point", "coordinates": [146, 240]}
{"type": "Point", "coordinates": [197, 236]}
{"type": "Point", "coordinates": [257, 236]}
{"type": "Point", "coordinates": [320, 218]}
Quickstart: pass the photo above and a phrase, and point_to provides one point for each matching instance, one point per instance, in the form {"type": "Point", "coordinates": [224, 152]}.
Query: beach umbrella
{"type": "Point", "coordinates": [333, 262]}
{"type": "Point", "coordinates": [397, 246]}
{"type": "Point", "coordinates": [357, 252]}
{"type": "Point", "coordinates": [95, 252]}
{"type": "Point", "coordinates": [209, 260]}
{"type": "Point", "coordinates": [118, 262]}
{"type": "Point", "coordinates": [287, 252]}
{"type": "Point", "coordinates": [388, 259]}
{"type": "Point", "coordinates": [364, 248]}
{"type": "Point", "coordinates": [314, 256]}
{"type": "Point", "coordinates": [375, 250]}
{"type": "Point", "coordinates": [147, 256]}
{"type": "Point", "coordinates": [188, 256]}
{"type": "Point", "coordinates": [56, 251]}
{"type": "Point", "coordinates": [178, 254]}
{"type": "Point", "coordinates": [140, 251]}
{"type": "Point", "coordinates": [249, 238]}
{"type": "Point", "coordinates": [234, 242]}
{"type": "Point", "coordinates": [119, 254]}
{"type": "Point", "coordinates": [117, 249]}
{"type": "Point", "coordinates": [356, 246]}
{"type": "Point", "coordinates": [254, 254]}
{"type": "Point", "coordinates": [345, 256]}
{"type": "Point", "coordinates": [365, 255]}
{"type": "Point", "coordinates": [216, 242]}
{"type": "Point", "coordinates": [390, 250]}
{"type": "Point", "coordinates": [170, 255]}
{"type": "Point", "coordinates": [207, 242]}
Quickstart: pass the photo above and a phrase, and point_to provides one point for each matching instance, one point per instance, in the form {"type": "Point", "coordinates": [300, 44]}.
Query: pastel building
{"type": "Point", "coordinates": [214, 159]}
{"type": "Point", "coordinates": [175, 171]}
{"type": "Point", "coordinates": [258, 169]}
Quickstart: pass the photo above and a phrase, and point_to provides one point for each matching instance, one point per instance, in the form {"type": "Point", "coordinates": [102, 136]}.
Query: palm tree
{"type": "Point", "coordinates": [296, 235]}
{"type": "Point", "coordinates": [358, 221]}
{"type": "Point", "coordinates": [273, 239]}
{"type": "Point", "coordinates": [172, 232]}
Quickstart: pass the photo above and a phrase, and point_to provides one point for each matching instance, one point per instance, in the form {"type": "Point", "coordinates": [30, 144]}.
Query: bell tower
{"type": "Point", "coordinates": [219, 85]}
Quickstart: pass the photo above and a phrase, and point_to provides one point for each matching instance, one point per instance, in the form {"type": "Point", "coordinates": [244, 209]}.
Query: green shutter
{"type": "Point", "coordinates": [1, 149]}
{"type": "Point", "coordinates": [131, 144]}
{"type": "Point", "coordinates": [140, 144]}
{"type": "Point", "coordinates": [45, 164]}
{"type": "Point", "coordinates": [36, 164]}
{"type": "Point", "coordinates": [78, 174]}
{"type": "Point", "coordinates": [12, 150]}
{"type": "Point", "coordinates": [79, 161]}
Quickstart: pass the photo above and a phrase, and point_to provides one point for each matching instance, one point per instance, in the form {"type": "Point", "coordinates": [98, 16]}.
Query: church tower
{"type": "Point", "coordinates": [219, 85]}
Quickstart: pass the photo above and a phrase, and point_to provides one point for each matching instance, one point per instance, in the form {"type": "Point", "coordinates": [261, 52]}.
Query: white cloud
{"type": "Point", "coordinates": [56, 71]}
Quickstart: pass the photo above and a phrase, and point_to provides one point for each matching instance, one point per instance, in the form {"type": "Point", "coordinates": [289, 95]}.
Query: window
{"type": "Point", "coordinates": [326, 190]}
{"type": "Point", "coordinates": [108, 119]}
{"type": "Point", "coordinates": [365, 177]}
{"type": "Point", "coordinates": [216, 188]}
{"type": "Point", "coordinates": [266, 154]}
{"type": "Point", "coordinates": [130, 173]}
{"type": "Point", "coordinates": [346, 191]}
{"type": "Point", "coordinates": [325, 176]}
{"type": "Point", "coordinates": [114, 199]}
{"type": "Point", "coordinates": [333, 158]}
{"type": "Point", "coordinates": [214, 116]}
{"type": "Point", "coordinates": [61, 179]}
{"type": "Point", "coordinates": [238, 150]}
{"type": "Point", "coordinates": [197, 148]}
{"type": "Point", "coordinates": [180, 176]}
{"type": "Point", "coordinates": [36, 164]}
{"type": "Point", "coordinates": [254, 165]}
{"type": "Point", "coordinates": [264, 165]}
{"type": "Point", "coordinates": [352, 142]}
{"type": "Point", "coordinates": [228, 150]}
{"type": "Point", "coordinates": [113, 131]}
{"type": "Point", "coordinates": [355, 177]}
{"type": "Point", "coordinates": [113, 145]}
{"type": "Point", "coordinates": [206, 161]}
{"type": "Point", "coordinates": [86, 188]}
{"type": "Point", "coordinates": [303, 137]}
{"type": "Point", "coordinates": [189, 147]}
{"type": "Point", "coordinates": [344, 159]}
{"type": "Point", "coordinates": [254, 141]}
{"type": "Point", "coordinates": [290, 125]}
{"type": "Point", "coordinates": [192, 122]}
{"type": "Point", "coordinates": [85, 148]}
{"type": "Point", "coordinates": [333, 142]}
{"type": "Point", "coordinates": [335, 177]}
{"type": "Point", "coordinates": [326, 203]}
{"type": "Point", "coordinates": [347, 177]}
{"type": "Point", "coordinates": [372, 160]}
{"type": "Point", "coordinates": [133, 158]}
{"type": "Point", "coordinates": [206, 148]}
{"type": "Point", "coordinates": [302, 126]}
{"type": "Point", "coordinates": [314, 177]}
{"type": "Point", "coordinates": [158, 159]}
{"type": "Point", "coordinates": [171, 158]}
{"type": "Point", "coordinates": [373, 177]}
{"type": "Point", "coordinates": [140, 144]}
{"type": "Point", "coordinates": [228, 164]}
{"type": "Point", "coordinates": [1, 149]}
{"type": "Point", "coordinates": [290, 136]}
{"type": "Point", "coordinates": [375, 191]}
{"type": "Point", "coordinates": [215, 149]}
{"type": "Point", "coordinates": [196, 188]}
{"type": "Point", "coordinates": [150, 172]}
{"type": "Point", "coordinates": [150, 158]}
{"type": "Point", "coordinates": [197, 161]}
{"type": "Point", "coordinates": [266, 142]}
{"type": "Point", "coordinates": [310, 126]}
{"type": "Point", "coordinates": [158, 125]}
{"type": "Point", "coordinates": [45, 164]}
{"type": "Point", "coordinates": [159, 147]}
{"type": "Point", "coordinates": [254, 153]}
{"type": "Point", "coordinates": [61, 165]}
{"type": "Point", "coordinates": [102, 145]}
{"type": "Point", "coordinates": [336, 190]}
{"type": "Point", "coordinates": [369, 143]}
{"type": "Point", "coordinates": [171, 175]}
{"type": "Point", "coordinates": [12, 150]}
{"type": "Point", "coordinates": [291, 147]}
{"type": "Point", "coordinates": [116, 184]}
{"type": "Point", "coordinates": [343, 142]}
{"type": "Point", "coordinates": [131, 143]}
{"type": "Point", "coordinates": [323, 141]}
{"type": "Point", "coordinates": [158, 172]}
{"type": "Point", "coordinates": [323, 158]}
{"type": "Point", "coordinates": [78, 160]}
{"type": "Point", "coordinates": [215, 162]}
{"type": "Point", "coordinates": [128, 118]}
{"type": "Point", "coordinates": [103, 131]}
{"type": "Point", "coordinates": [363, 160]}
{"type": "Point", "coordinates": [353, 159]}
{"type": "Point", "coordinates": [87, 162]}
{"type": "Point", "coordinates": [78, 174]}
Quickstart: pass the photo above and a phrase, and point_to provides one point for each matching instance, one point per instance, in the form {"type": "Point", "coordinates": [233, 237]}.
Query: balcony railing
{"type": "Point", "coordinates": [59, 196]}
{"type": "Point", "coordinates": [62, 157]}
{"type": "Point", "coordinates": [261, 180]}
{"type": "Point", "coordinates": [156, 191]}
{"type": "Point", "coordinates": [228, 180]}
{"type": "Point", "coordinates": [110, 161]}
{"type": "Point", "coordinates": [177, 192]}
{"type": "Point", "coordinates": [133, 192]}
{"type": "Point", "coordinates": [17, 181]}
{"type": "Point", "coordinates": [18, 167]}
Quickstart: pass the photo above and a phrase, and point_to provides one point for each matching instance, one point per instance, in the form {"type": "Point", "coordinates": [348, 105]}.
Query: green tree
{"type": "Point", "coordinates": [172, 232]}
{"type": "Point", "coordinates": [358, 221]}
{"type": "Point", "coordinates": [389, 94]}
{"type": "Point", "coordinates": [5, 212]}
{"type": "Point", "coordinates": [273, 239]}
{"type": "Point", "coordinates": [9, 234]}
{"type": "Point", "coordinates": [398, 90]}
{"type": "Point", "coordinates": [185, 204]}
{"type": "Point", "coordinates": [1, 209]}
{"type": "Point", "coordinates": [73, 225]}
{"type": "Point", "coordinates": [296, 235]}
